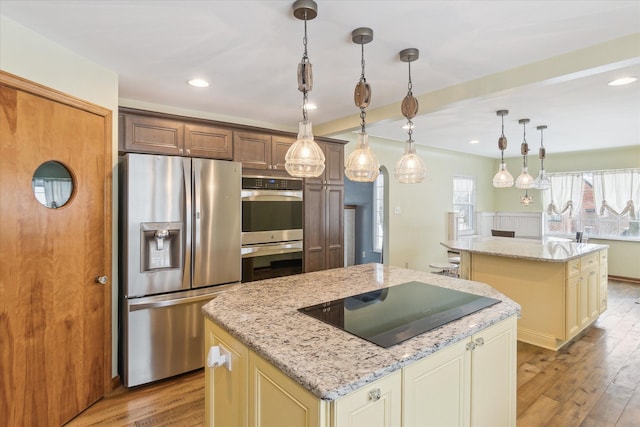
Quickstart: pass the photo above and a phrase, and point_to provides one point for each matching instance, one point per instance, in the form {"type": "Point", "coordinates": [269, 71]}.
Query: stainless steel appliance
{"type": "Point", "coordinates": [272, 227]}
{"type": "Point", "coordinates": [179, 247]}
{"type": "Point", "coordinates": [389, 316]}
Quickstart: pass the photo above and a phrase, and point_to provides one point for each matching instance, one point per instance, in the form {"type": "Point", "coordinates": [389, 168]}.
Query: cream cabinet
{"type": "Point", "coordinates": [472, 382]}
{"type": "Point", "coordinates": [226, 392]}
{"type": "Point", "coordinates": [604, 281]}
{"type": "Point", "coordinates": [583, 293]}
{"type": "Point", "coordinates": [378, 404]}
{"type": "Point", "coordinates": [276, 400]}
{"type": "Point", "coordinates": [558, 299]}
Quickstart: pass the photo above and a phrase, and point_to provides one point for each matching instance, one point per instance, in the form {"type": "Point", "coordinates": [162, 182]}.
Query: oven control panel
{"type": "Point", "coordinates": [270, 183]}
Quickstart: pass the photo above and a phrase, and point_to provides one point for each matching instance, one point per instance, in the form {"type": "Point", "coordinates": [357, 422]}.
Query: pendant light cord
{"type": "Point", "coordinates": [363, 113]}
{"type": "Point", "coordinates": [305, 59]}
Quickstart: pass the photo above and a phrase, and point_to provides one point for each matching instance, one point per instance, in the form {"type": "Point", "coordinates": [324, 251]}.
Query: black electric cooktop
{"type": "Point", "coordinates": [389, 316]}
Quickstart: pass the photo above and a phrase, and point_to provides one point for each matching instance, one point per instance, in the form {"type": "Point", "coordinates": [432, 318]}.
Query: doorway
{"type": "Point", "coordinates": [366, 220]}
{"type": "Point", "coordinates": [55, 254]}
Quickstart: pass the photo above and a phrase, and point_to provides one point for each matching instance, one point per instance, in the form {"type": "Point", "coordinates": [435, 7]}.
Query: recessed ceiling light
{"type": "Point", "coordinates": [622, 81]}
{"type": "Point", "coordinates": [198, 83]}
{"type": "Point", "coordinates": [474, 141]}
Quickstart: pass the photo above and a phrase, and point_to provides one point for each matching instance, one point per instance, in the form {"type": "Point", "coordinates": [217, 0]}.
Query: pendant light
{"type": "Point", "coordinates": [502, 179]}
{"type": "Point", "coordinates": [526, 199]}
{"type": "Point", "coordinates": [410, 168]}
{"type": "Point", "coordinates": [524, 180]}
{"type": "Point", "coordinates": [305, 158]}
{"type": "Point", "coordinates": [542, 182]}
{"type": "Point", "coordinates": [362, 165]}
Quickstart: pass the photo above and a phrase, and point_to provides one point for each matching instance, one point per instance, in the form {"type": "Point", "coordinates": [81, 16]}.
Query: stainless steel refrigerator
{"type": "Point", "coordinates": [180, 238]}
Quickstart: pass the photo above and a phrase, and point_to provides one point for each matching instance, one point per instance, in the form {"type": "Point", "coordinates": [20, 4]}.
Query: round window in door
{"type": "Point", "coordinates": [52, 184]}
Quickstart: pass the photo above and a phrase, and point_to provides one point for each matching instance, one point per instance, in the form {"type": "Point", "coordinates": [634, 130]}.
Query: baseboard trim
{"type": "Point", "coordinates": [625, 279]}
{"type": "Point", "coordinates": [115, 382]}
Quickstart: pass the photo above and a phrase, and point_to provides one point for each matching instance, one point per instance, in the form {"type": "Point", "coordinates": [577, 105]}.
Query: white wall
{"type": "Point", "coordinates": [415, 233]}
{"type": "Point", "coordinates": [31, 56]}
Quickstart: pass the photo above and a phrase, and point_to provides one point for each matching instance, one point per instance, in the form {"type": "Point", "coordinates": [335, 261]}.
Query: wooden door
{"type": "Point", "coordinates": [55, 320]}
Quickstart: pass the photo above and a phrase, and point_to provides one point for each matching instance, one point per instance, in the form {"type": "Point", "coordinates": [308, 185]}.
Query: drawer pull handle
{"type": "Point", "coordinates": [375, 394]}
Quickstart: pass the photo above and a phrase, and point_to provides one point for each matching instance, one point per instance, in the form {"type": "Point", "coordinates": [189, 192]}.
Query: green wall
{"type": "Point", "coordinates": [623, 255]}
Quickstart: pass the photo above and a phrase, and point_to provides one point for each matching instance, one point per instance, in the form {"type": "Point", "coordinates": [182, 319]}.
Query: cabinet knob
{"type": "Point", "coordinates": [470, 345]}
{"type": "Point", "coordinates": [375, 394]}
{"type": "Point", "coordinates": [275, 167]}
{"type": "Point", "coordinates": [479, 341]}
{"type": "Point", "coordinates": [269, 167]}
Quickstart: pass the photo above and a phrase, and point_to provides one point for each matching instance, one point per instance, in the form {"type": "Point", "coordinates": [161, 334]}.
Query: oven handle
{"type": "Point", "coordinates": [271, 196]}
{"type": "Point", "coordinates": [274, 249]}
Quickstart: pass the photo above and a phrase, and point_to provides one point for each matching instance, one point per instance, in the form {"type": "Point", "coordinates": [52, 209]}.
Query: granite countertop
{"type": "Point", "coordinates": [547, 249]}
{"type": "Point", "coordinates": [322, 358]}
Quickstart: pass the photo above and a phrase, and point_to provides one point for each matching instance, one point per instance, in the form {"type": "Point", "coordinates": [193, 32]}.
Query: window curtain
{"type": "Point", "coordinates": [617, 192]}
{"type": "Point", "coordinates": [57, 191]}
{"type": "Point", "coordinates": [565, 193]}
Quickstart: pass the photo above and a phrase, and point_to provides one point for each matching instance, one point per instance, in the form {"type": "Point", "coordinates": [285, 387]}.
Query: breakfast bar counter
{"type": "Point", "coordinates": [277, 352]}
{"type": "Point", "coordinates": [561, 285]}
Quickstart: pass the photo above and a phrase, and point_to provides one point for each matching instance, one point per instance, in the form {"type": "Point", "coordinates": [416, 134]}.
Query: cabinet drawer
{"type": "Point", "coordinates": [573, 267]}
{"type": "Point", "coordinates": [589, 261]}
{"type": "Point", "coordinates": [604, 257]}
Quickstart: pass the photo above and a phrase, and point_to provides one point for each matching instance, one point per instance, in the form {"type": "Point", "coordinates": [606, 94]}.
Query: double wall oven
{"type": "Point", "coordinates": [272, 227]}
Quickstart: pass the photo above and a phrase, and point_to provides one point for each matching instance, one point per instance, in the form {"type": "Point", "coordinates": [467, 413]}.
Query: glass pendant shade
{"type": "Point", "coordinates": [542, 182]}
{"type": "Point", "coordinates": [362, 165]}
{"type": "Point", "coordinates": [524, 180]}
{"type": "Point", "coordinates": [305, 158]}
{"type": "Point", "coordinates": [410, 168]}
{"type": "Point", "coordinates": [502, 179]}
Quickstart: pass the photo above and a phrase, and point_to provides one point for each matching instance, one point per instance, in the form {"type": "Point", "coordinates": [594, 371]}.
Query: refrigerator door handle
{"type": "Point", "coordinates": [170, 302]}
{"type": "Point", "coordinates": [187, 270]}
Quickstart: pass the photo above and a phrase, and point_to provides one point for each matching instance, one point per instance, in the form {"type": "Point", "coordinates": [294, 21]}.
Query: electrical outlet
{"type": "Point", "coordinates": [397, 210]}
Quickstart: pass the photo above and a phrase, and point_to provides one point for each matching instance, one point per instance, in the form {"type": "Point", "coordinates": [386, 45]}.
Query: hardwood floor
{"type": "Point", "coordinates": [592, 382]}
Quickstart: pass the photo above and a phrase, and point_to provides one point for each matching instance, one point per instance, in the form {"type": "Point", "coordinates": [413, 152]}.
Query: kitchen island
{"type": "Point", "coordinates": [561, 285]}
{"type": "Point", "coordinates": [288, 368]}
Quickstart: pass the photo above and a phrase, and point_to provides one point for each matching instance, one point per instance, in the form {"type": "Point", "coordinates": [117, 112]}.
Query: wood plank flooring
{"type": "Point", "coordinates": [592, 382]}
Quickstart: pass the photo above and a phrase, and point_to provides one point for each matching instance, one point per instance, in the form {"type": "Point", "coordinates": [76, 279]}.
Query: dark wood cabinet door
{"type": "Point", "coordinates": [279, 147]}
{"type": "Point", "coordinates": [334, 228]}
{"type": "Point", "coordinates": [252, 149]}
{"type": "Point", "coordinates": [152, 135]}
{"type": "Point", "coordinates": [314, 228]}
{"type": "Point", "coordinates": [333, 173]}
{"type": "Point", "coordinates": [208, 141]}
{"type": "Point", "coordinates": [334, 164]}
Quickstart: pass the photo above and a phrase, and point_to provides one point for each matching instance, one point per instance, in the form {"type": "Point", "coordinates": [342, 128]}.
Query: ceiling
{"type": "Point", "coordinates": [547, 61]}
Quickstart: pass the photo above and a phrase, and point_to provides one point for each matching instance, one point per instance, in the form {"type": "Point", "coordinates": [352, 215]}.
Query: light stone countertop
{"type": "Point", "coordinates": [325, 360]}
{"type": "Point", "coordinates": [548, 249]}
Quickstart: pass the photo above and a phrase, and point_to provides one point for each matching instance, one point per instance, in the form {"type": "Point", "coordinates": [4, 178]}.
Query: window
{"type": "Point", "coordinates": [598, 203]}
{"type": "Point", "coordinates": [464, 203]}
{"type": "Point", "coordinates": [378, 213]}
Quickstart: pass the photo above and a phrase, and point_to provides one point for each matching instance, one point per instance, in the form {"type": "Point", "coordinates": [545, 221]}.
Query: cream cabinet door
{"type": "Point", "coordinates": [226, 392]}
{"type": "Point", "coordinates": [437, 389]}
{"type": "Point", "coordinates": [604, 281]}
{"type": "Point", "coordinates": [471, 383]}
{"type": "Point", "coordinates": [377, 404]}
{"type": "Point", "coordinates": [493, 375]}
{"type": "Point", "coordinates": [277, 401]}
{"type": "Point", "coordinates": [572, 302]}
